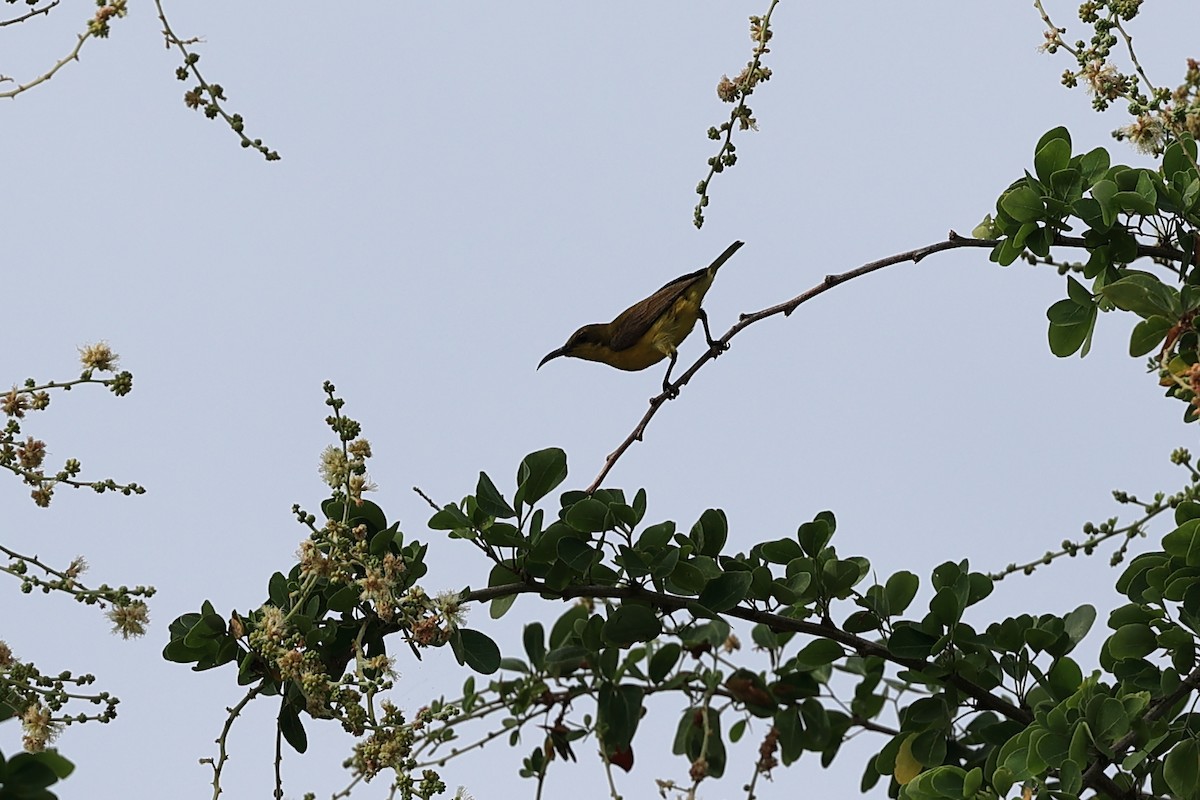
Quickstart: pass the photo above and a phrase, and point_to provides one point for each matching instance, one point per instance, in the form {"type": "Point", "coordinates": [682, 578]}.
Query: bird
{"type": "Point", "coordinates": [651, 329]}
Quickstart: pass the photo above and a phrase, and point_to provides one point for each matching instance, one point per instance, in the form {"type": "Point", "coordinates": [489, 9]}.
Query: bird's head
{"type": "Point", "coordinates": [590, 342]}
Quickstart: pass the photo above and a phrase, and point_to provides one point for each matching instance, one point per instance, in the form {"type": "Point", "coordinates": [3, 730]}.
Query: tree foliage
{"type": "Point", "coordinates": [658, 608]}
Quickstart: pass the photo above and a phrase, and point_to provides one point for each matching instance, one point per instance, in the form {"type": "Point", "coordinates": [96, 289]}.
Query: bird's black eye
{"type": "Point", "coordinates": [579, 337]}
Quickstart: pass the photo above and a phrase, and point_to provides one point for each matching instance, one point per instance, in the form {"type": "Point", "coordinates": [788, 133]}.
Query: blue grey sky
{"type": "Point", "coordinates": [461, 186]}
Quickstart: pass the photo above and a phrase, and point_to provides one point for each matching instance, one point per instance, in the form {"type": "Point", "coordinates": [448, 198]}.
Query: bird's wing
{"type": "Point", "coordinates": [633, 322]}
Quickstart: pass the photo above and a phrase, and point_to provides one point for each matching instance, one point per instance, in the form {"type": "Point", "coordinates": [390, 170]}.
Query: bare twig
{"type": "Point", "coordinates": [43, 10]}
{"type": "Point", "coordinates": [62, 62]}
{"type": "Point", "coordinates": [952, 242]}
{"type": "Point", "coordinates": [222, 753]}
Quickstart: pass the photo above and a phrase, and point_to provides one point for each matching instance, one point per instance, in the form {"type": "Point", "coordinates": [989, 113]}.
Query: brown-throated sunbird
{"type": "Point", "coordinates": [651, 329]}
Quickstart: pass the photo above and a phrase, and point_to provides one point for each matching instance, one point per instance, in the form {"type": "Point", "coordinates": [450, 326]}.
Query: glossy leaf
{"type": "Point", "coordinates": [490, 501]}
{"type": "Point", "coordinates": [588, 515]}
{"type": "Point", "coordinates": [664, 660]}
{"type": "Point", "coordinates": [900, 590]}
{"type": "Point", "coordinates": [476, 650]}
{"type": "Point", "coordinates": [710, 532]}
{"type": "Point", "coordinates": [1051, 157]}
{"type": "Point", "coordinates": [725, 591]}
{"type": "Point", "coordinates": [539, 474]}
{"type": "Point", "coordinates": [818, 653]}
{"type": "Point", "coordinates": [630, 623]}
{"type": "Point", "coordinates": [1148, 335]}
{"type": "Point", "coordinates": [292, 729]}
{"type": "Point", "coordinates": [1181, 770]}
{"type": "Point", "coordinates": [1023, 204]}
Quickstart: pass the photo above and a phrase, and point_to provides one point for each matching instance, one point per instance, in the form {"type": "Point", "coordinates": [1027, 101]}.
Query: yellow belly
{"type": "Point", "coordinates": [660, 341]}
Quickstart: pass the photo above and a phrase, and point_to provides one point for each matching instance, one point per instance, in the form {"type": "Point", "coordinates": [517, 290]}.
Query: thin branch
{"type": "Point", "coordinates": [952, 242]}
{"type": "Point", "coordinates": [214, 91]}
{"type": "Point", "coordinates": [983, 698]}
{"type": "Point", "coordinates": [62, 62]}
{"type": "Point", "coordinates": [30, 15]}
{"type": "Point", "coordinates": [222, 753]}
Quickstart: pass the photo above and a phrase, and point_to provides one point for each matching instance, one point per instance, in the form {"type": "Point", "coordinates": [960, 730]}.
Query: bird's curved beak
{"type": "Point", "coordinates": [553, 354]}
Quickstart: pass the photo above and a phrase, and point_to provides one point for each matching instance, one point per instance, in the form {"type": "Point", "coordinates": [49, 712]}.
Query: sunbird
{"type": "Point", "coordinates": [651, 329]}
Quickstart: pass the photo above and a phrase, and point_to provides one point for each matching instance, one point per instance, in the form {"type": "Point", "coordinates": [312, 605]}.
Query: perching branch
{"type": "Point", "coordinates": [952, 242]}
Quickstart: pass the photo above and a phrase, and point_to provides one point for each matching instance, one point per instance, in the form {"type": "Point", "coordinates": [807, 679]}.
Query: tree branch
{"type": "Point", "coordinates": [62, 62]}
{"type": "Point", "coordinates": [983, 698]}
{"type": "Point", "coordinates": [43, 10]}
{"type": "Point", "coordinates": [953, 241]}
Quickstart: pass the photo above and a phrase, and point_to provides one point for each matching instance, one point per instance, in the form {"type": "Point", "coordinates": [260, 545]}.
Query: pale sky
{"type": "Point", "coordinates": [461, 187]}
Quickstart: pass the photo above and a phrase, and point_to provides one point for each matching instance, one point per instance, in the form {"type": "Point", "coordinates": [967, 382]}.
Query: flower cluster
{"type": "Point", "coordinates": [25, 457]}
{"type": "Point", "coordinates": [1159, 114]}
{"type": "Point", "coordinates": [39, 700]}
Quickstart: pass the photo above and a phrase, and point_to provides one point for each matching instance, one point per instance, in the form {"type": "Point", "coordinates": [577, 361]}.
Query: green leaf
{"type": "Point", "coordinates": [365, 512]}
{"type": "Point", "coordinates": [1023, 204]}
{"type": "Point", "coordinates": [618, 711]}
{"type": "Point", "coordinates": [1187, 510]}
{"type": "Point", "coordinates": [1134, 203]}
{"type": "Point", "coordinates": [344, 599]}
{"type": "Point", "coordinates": [1184, 542]}
{"type": "Point", "coordinates": [1060, 134]}
{"type": "Point", "coordinates": [477, 650]}
{"type": "Point", "coordinates": [576, 554]}
{"type": "Point", "coordinates": [534, 639]}
{"type": "Point", "coordinates": [588, 516]}
{"type": "Point", "coordinates": [277, 590]}
{"type": "Point", "coordinates": [908, 642]}
{"type": "Point", "coordinates": [26, 775]}
{"type": "Point", "coordinates": [1051, 157]}
{"type": "Point", "coordinates": [1093, 165]}
{"type": "Point", "coordinates": [947, 606]}
{"type": "Point", "coordinates": [985, 229]}
{"type": "Point", "coordinates": [1181, 770]}
{"type": "Point", "coordinates": [1132, 641]}
{"type": "Point", "coordinates": [781, 551]}
{"type": "Point", "coordinates": [450, 518]}
{"type": "Point", "coordinates": [292, 729]}
{"type": "Point", "coordinates": [663, 661]}
{"type": "Point", "coordinates": [1148, 335]}
{"type": "Point", "coordinates": [1068, 339]}
{"type": "Point", "coordinates": [1068, 312]}
{"type": "Point", "coordinates": [631, 623]}
{"type": "Point", "coordinates": [1079, 294]}
{"type": "Point", "coordinates": [725, 591]}
{"type": "Point", "coordinates": [1175, 157]}
{"type": "Point", "coordinates": [1104, 191]}
{"type": "Point", "coordinates": [1077, 624]}
{"type": "Point", "coordinates": [688, 578]}
{"type": "Point", "coordinates": [1064, 678]}
{"type": "Point", "coordinates": [813, 536]}
{"type": "Point", "coordinates": [1002, 781]}
{"type": "Point", "coordinates": [656, 536]}
{"type": "Point", "coordinates": [818, 653]}
{"type": "Point", "coordinates": [490, 501]}
{"type": "Point", "coordinates": [710, 532]}
{"type": "Point", "coordinates": [538, 474]}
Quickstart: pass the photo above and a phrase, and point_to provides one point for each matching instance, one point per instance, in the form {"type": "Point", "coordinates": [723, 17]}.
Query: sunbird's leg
{"type": "Point", "coordinates": [713, 344]}
{"type": "Point", "coordinates": [673, 393]}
